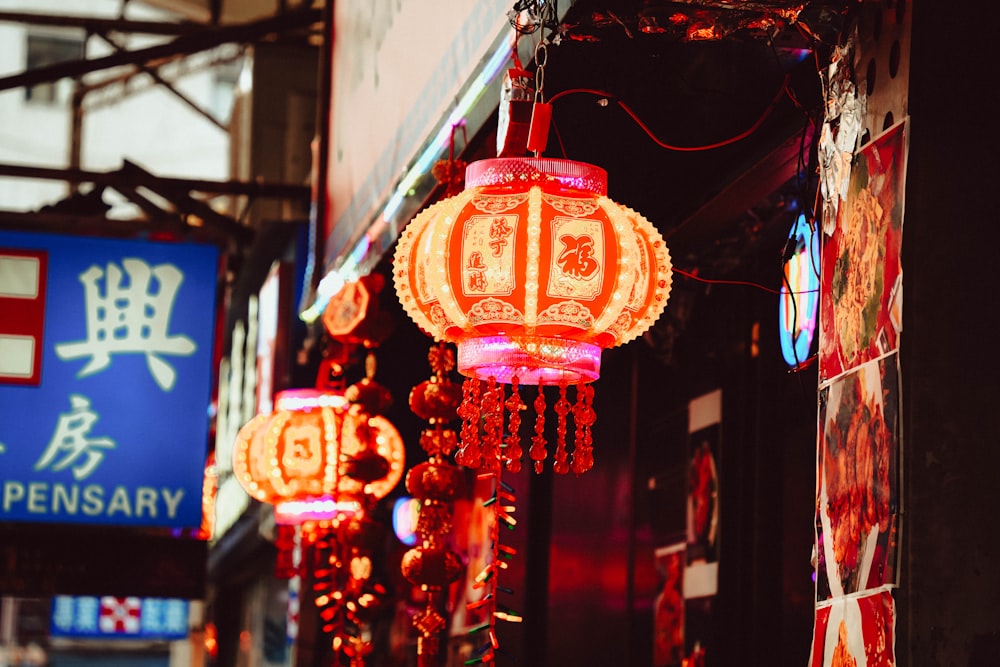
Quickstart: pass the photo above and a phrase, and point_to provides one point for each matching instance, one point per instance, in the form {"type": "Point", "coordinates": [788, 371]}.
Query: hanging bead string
{"type": "Point", "coordinates": [491, 409]}
{"type": "Point", "coordinates": [584, 418]}
{"type": "Point", "coordinates": [341, 586]}
{"type": "Point", "coordinates": [434, 523]}
{"type": "Point", "coordinates": [434, 401]}
{"type": "Point", "coordinates": [512, 443]}
{"type": "Point", "coordinates": [469, 454]}
{"type": "Point", "coordinates": [502, 500]}
{"type": "Point", "coordinates": [537, 450]}
{"type": "Point", "coordinates": [562, 408]}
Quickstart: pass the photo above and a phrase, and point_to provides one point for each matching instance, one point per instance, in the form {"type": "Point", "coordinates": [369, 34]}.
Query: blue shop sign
{"type": "Point", "coordinates": [105, 379]}
{"type": "Point", "coordinates": [109, 617]}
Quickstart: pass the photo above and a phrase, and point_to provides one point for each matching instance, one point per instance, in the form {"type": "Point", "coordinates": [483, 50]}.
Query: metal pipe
{"type": "Point", "coordinates": [114, 178]}
{"type": "Point", "coordinates": [191, 42]}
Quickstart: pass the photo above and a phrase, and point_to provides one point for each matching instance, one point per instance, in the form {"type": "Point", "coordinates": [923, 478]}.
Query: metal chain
{"type": "Point", "coordinates": [541, 57]}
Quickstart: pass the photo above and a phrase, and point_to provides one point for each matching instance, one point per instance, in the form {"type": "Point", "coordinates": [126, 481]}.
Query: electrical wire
{"type": "Point", "coordinates": [800, 364]}
{"type": "Point", "coordinates": [662, 144]}
{"type": "Point", "coordinates": [745, 283]}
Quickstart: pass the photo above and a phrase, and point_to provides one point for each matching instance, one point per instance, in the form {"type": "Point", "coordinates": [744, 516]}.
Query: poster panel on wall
{"type": "Point", "coordinates": [861, 298]}
{"type": "Point", "coordinates": [668, 606]}
{"type": "Point", "coordinates": [858, 503]}
{"type": "Point", "coordinates": [854, 631]}
{"type": "Point", "coordinates": [113, 427]}
{"type": "Point", "coordinates": [701, 577]}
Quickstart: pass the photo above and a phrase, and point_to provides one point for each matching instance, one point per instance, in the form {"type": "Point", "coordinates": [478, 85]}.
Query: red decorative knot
{"type": "Point", "coordinates": [537, 451]}
{"type": "Point", "coordinates": [512, 452]}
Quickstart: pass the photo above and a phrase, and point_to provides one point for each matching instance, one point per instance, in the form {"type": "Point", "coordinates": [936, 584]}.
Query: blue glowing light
{"type": "Point", "coordinates": [799, 300]}
{"type": "Point", "coordinates": [404, 519]}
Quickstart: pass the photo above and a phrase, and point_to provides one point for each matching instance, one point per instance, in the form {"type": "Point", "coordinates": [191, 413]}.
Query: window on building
{"type": "Point", "coordinates": [47, 49]}
{"type": "Point", "coordinates": [225, 77]}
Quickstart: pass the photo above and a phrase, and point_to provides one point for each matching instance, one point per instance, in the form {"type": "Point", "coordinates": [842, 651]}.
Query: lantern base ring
{"type": "Point", "coordinates": [324, 508]}
{"type": "Point", "coordinates": [533, 359]}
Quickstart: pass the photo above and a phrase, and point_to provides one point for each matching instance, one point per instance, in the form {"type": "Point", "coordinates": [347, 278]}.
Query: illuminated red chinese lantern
{"type": "Point", "coordinates": [316, 457]}
{"type": "Point", "coordinates": [532, 271]}
{"type": "Point", "coordinates": [322, 459]}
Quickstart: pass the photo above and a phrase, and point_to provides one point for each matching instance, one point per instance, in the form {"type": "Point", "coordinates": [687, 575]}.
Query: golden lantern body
{"type": "Point", "coordinates": [532, 271]}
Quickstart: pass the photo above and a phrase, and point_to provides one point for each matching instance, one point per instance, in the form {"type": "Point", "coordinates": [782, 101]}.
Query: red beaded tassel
{"type": "Point", "coordinates": [584, 418]}
{"type": "Point", "coordinates": [537, 450]}
{"type": "Point", "coordinates": [491, 409]}
{"type": "Point", "coordinates": [469, 454]}
{"type": "Point", "coordinates": [562, 408]}
{"type": "Point", "coordinates": [512, 443]}
{"type": "Point", "coordinates": [340, 569]}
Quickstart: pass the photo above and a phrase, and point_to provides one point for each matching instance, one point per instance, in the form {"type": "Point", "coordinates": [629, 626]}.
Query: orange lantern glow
{"type": "Point", "coordinates": [317, 457]}
{"type": "Point", "coordinates": [532, 271]}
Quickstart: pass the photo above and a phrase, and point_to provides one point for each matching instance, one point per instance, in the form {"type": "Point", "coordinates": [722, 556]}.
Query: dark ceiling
{"type": "Point", "coordinates": [695, 74]}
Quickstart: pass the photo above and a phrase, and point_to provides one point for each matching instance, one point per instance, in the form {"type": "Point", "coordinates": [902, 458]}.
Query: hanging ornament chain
{"type": "Point", "coordinates": [541, 112]}
{"type": "Point", "coordinates": [541, 60]}
{"type": "Point", "coordinates": [502, 500]}
{"type": "Point", "coordinates": [493, 453]}
{"type": "Point", "coordinates": [484, 446]}
{"type": "Point", "coordinates": [341, 591]}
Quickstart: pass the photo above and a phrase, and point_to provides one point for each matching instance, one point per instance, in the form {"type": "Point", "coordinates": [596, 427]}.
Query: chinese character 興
{"type": "Point", "coordinates": [132, 316]}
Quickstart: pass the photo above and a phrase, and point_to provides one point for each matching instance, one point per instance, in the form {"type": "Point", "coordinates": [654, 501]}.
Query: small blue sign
{"type": "Point", "coordinates": [109, 617]}
{"type": "Point", "coordinates": [116, 430]}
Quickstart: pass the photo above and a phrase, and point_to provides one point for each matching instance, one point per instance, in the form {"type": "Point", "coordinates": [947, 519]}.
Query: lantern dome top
{"type": "Point", "coordinates": [307, 398]}
{"type": "Point", "coordinates": [531, 171]}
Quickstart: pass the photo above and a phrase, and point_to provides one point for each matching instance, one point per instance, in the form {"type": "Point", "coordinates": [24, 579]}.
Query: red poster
{"type": "Point", "coordinates": [857, 504]}
{"type": "Point", "coordinates": [820, 623]}
{"type": "Point", "coordinates": [668, 607]}
{"type": "Point", "coordinates": [856, 632]}
{"type": "Point", "coordinates": [861, 295]}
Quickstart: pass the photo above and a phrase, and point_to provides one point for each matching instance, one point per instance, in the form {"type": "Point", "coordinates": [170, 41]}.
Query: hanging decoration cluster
{"type": "Point", "coordinates": [502, 501]}
{"type": "Point", "coordinates": [432, 564]}
{"type": "Point", "coordinates": [323, 458]}
{"type": "Point", "coordinates": [531, 271]}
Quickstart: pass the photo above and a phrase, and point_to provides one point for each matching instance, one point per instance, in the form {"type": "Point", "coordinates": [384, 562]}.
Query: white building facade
{"type": "Point", "coordinates": [126, 112]}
